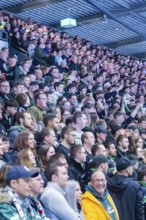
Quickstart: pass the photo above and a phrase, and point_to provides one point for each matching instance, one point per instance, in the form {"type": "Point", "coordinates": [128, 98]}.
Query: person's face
{"type": "Point", "coordinates": [6, 146]}
{"type": "Point", "coordinates": [50, 98]}
{"type": "Point", "coordinates": [90, 139]}
{"type": "Point", "coordinates": [78, 193]}
{"type": "Point", "coordinates": [27, 81]}
{"type": "Point", "coordinates": [19, 89]}
{"type": "Point", "coordinates": [139, 153]}
{"type": "Point", "coordinates": [140, 143]}
{"type": "Point", "coordinates": [120, 118]}
{"type": "Point", "coordinates": [22, 187]}
{"type": "Point", "coordinates": [33, 88]}
{"type": "Point", "coordinates": [50, 152]}
{"type": "Point", "coordinates": [12, 110]}
{"type": "Point", "coordinates": [67, 106]}
{"type": "Point", "coordinates": [37, 185]}
{"type": "Point", "coordinates": [26, 68]}
{"type": "Point", "coordinates": [31, 157]}
{"type": "Point", "coordinates": [82, 155]}
{"type": "Point", "coordinates": [38, 74]}
{"type": "Point", "coordinates": [104, 167]}
{"type": "Point", "coordinates": [1, 147]}
{"type": "Point", "coordinates": [83, 121]}
{"type": "Point", "coordinates": [31, 140]}
{"type": "Point", "coordinates": [143, 124]}
{"type": "Point", "coordinates": [5, 87]}
{"type": "Point", "coordinates": [27, 121]}
{"type": "Point", "coordinates": [52, 138]}
{"type": "Point", "coordinates": [99, 182]}
{"type": "Point", "coordinates": [102, 150]}
{"type": "Point", "coordinates": [125, 143]}
{"type": "Point", "coordinates": [60, 89]}
{"type": "Point", "coordinates": [55, 73]}
{"type": "Point", "coordinates": [62, 176]}
{"type": "Point", "coordinates": [65, 115]}
{"type": "Point", "coordinates": [12, 62]}
{"type": "Point", "coordinates": [102, 136]}
{"type": "Point", "coordinates": [55, 124]}
{"type": "Point", "coordinates": [70, 137]}
{"type": "Point", "coordinates": [73, 90]}
{"type": "Point", "coordinates": [84, 91]}
{"type": "Point", "coordinates": [112, 150]}
{"type": "Point", "coordinates": [42, 101]}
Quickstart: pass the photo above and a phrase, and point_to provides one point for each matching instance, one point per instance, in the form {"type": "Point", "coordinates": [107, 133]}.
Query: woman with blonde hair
{"type": "Point", "coordinates": [73, 196]}
{"type": "Point", "coordinates": [26, 158]}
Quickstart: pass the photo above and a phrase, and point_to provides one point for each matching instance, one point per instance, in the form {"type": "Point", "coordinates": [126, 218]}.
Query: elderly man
{"type": "Point", "coordinates": [96, 201]}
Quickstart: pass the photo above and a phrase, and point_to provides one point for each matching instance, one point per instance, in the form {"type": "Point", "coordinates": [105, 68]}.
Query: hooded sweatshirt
{"type": "Point", "coordinates": [127, 196]}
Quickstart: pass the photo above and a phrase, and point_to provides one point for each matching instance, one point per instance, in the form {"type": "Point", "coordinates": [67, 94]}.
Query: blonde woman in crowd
{"type": "Point", "coordinates": [73, 196]}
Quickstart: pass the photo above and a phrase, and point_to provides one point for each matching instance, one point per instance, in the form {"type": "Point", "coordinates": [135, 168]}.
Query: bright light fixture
{"type": "Point", "coordinates": [68, 22]}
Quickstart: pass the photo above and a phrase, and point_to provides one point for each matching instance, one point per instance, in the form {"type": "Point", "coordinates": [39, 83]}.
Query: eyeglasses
{"type": "Point", "coordinates": [43, 99]}
{"type": "Point", "coordinates": [5, 86]}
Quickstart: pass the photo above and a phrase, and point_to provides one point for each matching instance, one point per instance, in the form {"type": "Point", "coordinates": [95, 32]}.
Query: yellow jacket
{"type": "Point", "coordinates": [93, 209]}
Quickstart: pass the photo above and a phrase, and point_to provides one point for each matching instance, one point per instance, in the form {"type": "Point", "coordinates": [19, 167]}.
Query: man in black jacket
{"type": "Point", "coordinates": [77, 162]}
{"type": "Point", "coordinates": [126, 193]}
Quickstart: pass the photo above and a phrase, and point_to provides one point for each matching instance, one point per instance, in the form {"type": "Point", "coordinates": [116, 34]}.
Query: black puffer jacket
{"type": "Point", "coordinates": [128, 197]}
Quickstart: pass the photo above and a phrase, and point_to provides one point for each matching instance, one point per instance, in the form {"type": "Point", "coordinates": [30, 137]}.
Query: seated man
{"type": "Point", "coordinates": [14, 202]}
{"type": "Point", "coordinates": [96, 201]}
{"type": "Point", "coordinates": [53, 197]}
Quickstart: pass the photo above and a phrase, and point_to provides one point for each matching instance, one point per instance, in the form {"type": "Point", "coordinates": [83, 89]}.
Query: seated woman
{"type": "Point", "coordinates": [73, 196]}
{"type": "Point", "coordinates": [46, 151]}
{"type": "Point", "coordinates": [26, 158]}
{"type": "Point", "coordinates": [25, 140]}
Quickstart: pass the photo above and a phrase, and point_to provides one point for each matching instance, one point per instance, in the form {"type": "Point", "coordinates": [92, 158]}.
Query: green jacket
{"type": "Point", "coordinates": [8, 210]}
{"type": "Point", "coordinates": [36, 112]}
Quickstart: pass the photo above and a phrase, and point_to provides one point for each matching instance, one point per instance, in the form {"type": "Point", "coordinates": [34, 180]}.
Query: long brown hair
{"type": "Point", "coordinates": [3, 173]}
{"type": "Point", "coordinates": [21, 142]}
{"type": "Point", "coordinates": [43, 155]}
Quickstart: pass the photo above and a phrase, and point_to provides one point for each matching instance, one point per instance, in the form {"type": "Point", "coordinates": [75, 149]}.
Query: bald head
{"type": "Point", "coordinates": [99, 182]}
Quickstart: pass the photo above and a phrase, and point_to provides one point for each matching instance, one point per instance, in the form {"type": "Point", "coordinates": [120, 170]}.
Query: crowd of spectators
{"type": "Point", "coordinates": [73, 100]}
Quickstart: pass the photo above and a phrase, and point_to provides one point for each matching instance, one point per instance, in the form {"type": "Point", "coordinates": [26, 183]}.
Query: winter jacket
{"type": "Point", "coordinates": [94, 210]}
{"type": "Point", "coordinates": [14, 132]}
{"type": "Point", "coordinates": [143, 186]}
{"type": "Point", "coordinates": [8, 210]}
{"type": "Point", "coordinates": [128, 197]}
{"type": "Point", "coordinates": [76, 171]}
{"type": "Point", "coordinates": [36, 112]}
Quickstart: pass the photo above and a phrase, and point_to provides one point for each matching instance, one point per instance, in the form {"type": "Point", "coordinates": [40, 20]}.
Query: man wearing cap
{"type": "Point", "coordinates": [14, 202]}
{"type": "Point", "coordinates": [126, 193]}
{"type": "Point", "coordinates": [100, 134]}
{"type": "Point", "coordinates": [99, 162]}
{"type": "Point", "coordinates": [96, 201]}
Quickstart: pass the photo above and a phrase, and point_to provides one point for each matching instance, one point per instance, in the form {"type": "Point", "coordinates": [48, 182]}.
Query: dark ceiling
{"type": "Point", "coordinates": [118, 24]}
